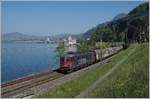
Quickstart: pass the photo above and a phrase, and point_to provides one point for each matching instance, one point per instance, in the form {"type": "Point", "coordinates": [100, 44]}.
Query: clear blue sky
{"type": "Point", "coordinates": [49, 18]}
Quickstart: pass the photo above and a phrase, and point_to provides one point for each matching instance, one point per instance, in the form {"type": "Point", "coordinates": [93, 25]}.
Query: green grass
{"type": "Point", "coordinates": [131, 79]}
{"type": "Point", "coordinates": [74, 87]}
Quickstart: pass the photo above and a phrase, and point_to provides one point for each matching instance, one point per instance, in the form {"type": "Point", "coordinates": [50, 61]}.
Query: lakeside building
{"type": "Point", "coordinates": [70, 44]}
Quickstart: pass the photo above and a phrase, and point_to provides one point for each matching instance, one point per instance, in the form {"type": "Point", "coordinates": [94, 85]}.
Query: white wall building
{"type": "Point", "coordinates": [70, 41]}
{"type": "Point", "coordinates": [70, 44]}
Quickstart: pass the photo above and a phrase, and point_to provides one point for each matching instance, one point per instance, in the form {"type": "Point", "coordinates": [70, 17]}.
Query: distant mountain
{"type": "Point", "coordinates": [142, 8]}
{"type": "Point", "coordinates": [119, 16]}
{"type": "Point", "coordinates": [92, 30]}
{"type": "Point", "coordinates": [89, 32]}
{"type": "Point", "coordinates": [16, 36]}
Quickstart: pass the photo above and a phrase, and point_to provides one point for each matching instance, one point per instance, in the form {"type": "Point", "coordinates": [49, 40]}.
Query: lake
{"type": "Point", "coordinates": [22, 59]}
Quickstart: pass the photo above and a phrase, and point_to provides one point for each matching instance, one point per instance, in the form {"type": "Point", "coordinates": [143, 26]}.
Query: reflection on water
{"type": "Point", "coordinates": [20, 59]}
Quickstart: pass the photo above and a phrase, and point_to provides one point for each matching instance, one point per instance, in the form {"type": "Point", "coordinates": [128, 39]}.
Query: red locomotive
{"type": "Point", "coordinates": [72, 61]}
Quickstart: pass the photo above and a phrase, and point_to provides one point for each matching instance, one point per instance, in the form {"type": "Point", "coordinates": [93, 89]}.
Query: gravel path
{"type": "Point", "coordinates": [85, 93]}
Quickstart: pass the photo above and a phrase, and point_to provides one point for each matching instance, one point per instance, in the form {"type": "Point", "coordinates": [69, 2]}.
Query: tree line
{"type": "Point", "coordinates": [134, 27]}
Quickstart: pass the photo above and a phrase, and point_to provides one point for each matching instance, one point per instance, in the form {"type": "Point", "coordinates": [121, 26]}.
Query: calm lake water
{"type": "Point", "coordinates": [20, 59]}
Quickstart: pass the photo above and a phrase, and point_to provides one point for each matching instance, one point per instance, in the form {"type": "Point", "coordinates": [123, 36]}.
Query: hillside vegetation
{"type": "Point", "coordinates": [134, 25]}
{"type": "Point", "coordinates": [131, 79]}
{"type": "Point", "coordinates": [141, 9]}
{"type": "Point", "coordinates": [133, 85]}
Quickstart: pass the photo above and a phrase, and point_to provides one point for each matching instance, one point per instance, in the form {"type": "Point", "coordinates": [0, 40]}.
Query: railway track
{"type": "Point", "coordinates": [15, 87]}
{"type": "Point", "coordinates": [25, 79]}
{"type": "Point", "coordinates": [23, 85]}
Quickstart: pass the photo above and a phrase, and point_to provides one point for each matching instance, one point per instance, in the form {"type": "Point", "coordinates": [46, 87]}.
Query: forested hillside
{"type": "Point", "coordinates": [133, 27]}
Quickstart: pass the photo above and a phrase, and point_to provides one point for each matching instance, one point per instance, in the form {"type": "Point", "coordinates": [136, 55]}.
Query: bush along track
{"type": "Point", "coordinates": [74, 87]}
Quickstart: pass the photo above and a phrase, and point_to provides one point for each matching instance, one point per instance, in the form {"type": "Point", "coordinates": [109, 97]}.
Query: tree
{"type": "Point", "coordinates": [135, 25]}
{"type": "Point", "coordinates": [140, 9]}
{"type": "Point", "coordinates": [101, 45]}
{"type": "Point", "coordinates": [60, 49]}
{"type": "Point", "coordinates": [139, 29]}
{"type": "Point", "coordinates": [125, 39]}
{"type": "Point", "coordinates": [83, 47]}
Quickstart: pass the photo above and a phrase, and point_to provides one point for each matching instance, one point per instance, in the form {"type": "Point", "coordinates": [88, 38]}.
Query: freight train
{"type": "Point", "coordinates": [72, 61]}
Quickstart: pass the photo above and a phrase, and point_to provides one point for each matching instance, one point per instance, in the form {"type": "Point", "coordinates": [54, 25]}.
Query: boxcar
{"type": "Point", "coordinates": [100, 53]}
{"type": "Point", "coordinates": [104, 53]}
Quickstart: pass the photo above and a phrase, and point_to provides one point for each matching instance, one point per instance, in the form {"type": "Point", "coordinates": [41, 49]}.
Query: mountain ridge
{"type": "Point", "coordinates": [121, 17]}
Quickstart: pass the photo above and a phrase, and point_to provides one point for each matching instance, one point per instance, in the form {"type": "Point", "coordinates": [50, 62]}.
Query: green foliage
{"type": "Point", "coordinates": [125, 39]}
{"type": "Point", "coordinates": [131, 79]}
{"type": "Point", "coordinates": [137, 26]}
{"type": "Point", "coordinates": [101, 45]}
{"type": "Point", "coordinates": [113, 32]}
{"type": "Point", "coordinates": [83, 46]}
{"type": "Point", "coordinates": [60, 49]}
{"type": "Point", "coordinates": [138, 29]}
{"type": "Point", "coordinates": [140, 9]}
{"type": "Point", "coordinates": [102, 34]}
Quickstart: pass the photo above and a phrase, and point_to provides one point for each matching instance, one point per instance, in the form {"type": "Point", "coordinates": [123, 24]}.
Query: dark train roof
{"type": "Point", "coordinates": [69, 54]}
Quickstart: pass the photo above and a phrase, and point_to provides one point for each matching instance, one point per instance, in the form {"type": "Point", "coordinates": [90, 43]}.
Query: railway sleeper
{"type": "Point", "coordinates": [24, 89]}
{"type": "Point", "coordinates": [35, 80]}
{"type": "Point", "coordinates": [24, 78]}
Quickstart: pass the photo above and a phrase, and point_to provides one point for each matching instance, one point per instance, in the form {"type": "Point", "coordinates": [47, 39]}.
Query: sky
{"type": "Point", "coordinates": [51, 18]}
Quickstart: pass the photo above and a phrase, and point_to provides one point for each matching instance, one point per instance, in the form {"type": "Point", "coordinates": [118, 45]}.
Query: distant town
{"type": "Point", "coordinates": [23, 38]}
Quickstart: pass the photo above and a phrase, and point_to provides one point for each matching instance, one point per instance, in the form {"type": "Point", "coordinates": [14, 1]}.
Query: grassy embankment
{"type": "Point", "coordinates": [129, 80]}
